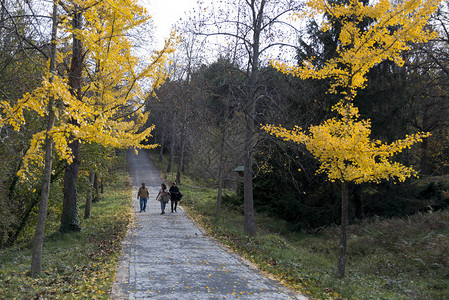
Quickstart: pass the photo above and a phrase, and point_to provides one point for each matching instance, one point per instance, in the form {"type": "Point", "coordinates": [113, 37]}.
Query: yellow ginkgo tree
{"type": "Point", "coordinates": [105, 107]}
{"type": "Point", "coordinates": [96, 99]}
{"type": "Point", "coordinates": [342, 144]}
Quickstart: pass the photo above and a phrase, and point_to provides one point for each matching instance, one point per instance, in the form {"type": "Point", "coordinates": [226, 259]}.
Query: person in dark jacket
{"type": "Point", "coordinates": [175, 196]}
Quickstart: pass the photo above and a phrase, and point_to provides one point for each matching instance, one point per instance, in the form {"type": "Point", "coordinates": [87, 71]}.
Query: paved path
{"type": "Point", "coordinates": [169, 257]}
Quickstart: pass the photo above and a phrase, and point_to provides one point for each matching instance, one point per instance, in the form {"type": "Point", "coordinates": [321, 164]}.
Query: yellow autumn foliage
{"type": "Point", "coordinates": [342, 144]}
{"type": "Point", "coordinates": [393, 27]}
{"type": "Point", "coordinates": [345, 151]}
{"type": "Point", "coordinates": [109, 112]}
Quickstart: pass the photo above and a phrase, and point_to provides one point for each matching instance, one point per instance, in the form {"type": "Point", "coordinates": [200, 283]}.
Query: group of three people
{"type": "Point", "coordinates": [164, 196]}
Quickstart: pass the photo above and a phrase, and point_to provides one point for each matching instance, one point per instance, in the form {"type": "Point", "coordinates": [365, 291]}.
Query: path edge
{"type": "Point", "coordinates": [124, 260]}
{"type": "Point", "coordinates": [298, 295]}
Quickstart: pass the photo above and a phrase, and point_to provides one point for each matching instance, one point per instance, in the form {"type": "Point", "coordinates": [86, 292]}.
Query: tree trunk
{"type": "Point", "coordinates": [161, 148]}
{"type": "Point", "coordinates": [184, 163]}
{"type": "Point", "coordinates": [344, 230]}
{"type": "Point", "coordinates": [170, 158]}
{"type": "Point", "coordinates": [220, 170]}
{"type": "Point", "coordinates": [250, 219]}
{"type": "Point", "coordinates": [96, 197]}
{"type": "Point", "coordinates": [38, 241]}
{"type": "Point", "coordinates": [423, 164]}
{"type": "Point", "coordinates": [89, 197]}
{"type": "Point", "coordinates": [424, 160]}
{"type": "Point", "coordinates": [172, 144]}
{"type": "Point", "coordinates": [69, 218]}
{"type": "Point", "coordinates": [2, 16]}
{"type": "Point", "coordinates": [23, 222]}
{"type": "Point", "coordinates": [181, 156]}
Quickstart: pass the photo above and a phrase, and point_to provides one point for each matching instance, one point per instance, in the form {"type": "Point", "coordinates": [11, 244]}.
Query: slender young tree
{"type": "Point", "coordinates": [36, 255]}
{"type": "Point", "coordinates": [189, 58]}
{"type": "Point", "coordinates": [173, 135]}
{"type": "Point", "coordinates": [256, 26]}
{"type": "Point", "coordinates": [342, 145]}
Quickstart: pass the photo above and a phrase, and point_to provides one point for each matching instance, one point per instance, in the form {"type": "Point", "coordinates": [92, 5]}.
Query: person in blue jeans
{"type": "Point", "coordinates": [143, 194]}
{"type": "Point", "coordinates": [163, 196]}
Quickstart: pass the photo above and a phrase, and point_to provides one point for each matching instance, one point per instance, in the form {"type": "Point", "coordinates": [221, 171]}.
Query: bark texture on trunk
{"type": "Point", "coordinates": [69, 217]}
{"type": "Point", "coordinates": [344, 231]}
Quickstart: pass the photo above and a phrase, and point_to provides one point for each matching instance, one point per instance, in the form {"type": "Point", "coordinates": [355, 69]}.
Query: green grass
{"type": "Point", "coordinates": [78, 265]}
{"type": "Point", "coordinates": [387, 259]}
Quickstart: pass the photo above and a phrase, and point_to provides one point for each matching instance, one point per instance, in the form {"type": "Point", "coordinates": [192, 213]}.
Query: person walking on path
{"type": "Point", "coordinates": [163, 196]}
{"type": "Point", "coordinates": [143, 194]}
{"type": "Point", "coordinates": [175, 196]}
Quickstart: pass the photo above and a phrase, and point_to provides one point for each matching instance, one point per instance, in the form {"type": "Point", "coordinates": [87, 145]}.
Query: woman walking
{"type": "Point", "coordinates": [163, 196]}
{"type": "Point", "coordinates": [175, 196]}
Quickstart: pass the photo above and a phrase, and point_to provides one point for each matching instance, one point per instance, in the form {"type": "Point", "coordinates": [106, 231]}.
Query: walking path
{"type": "Point", "coordinates": [168, 256]}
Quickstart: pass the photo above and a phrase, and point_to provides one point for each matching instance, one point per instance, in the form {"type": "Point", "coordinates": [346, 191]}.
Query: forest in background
{"type": "Point", "coordinates": [201, 114]}
{"type": "Point", "coordinates": [205, 121]}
